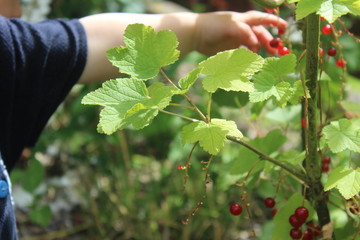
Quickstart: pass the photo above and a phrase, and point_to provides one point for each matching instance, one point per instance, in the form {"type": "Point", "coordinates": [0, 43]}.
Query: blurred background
{"type": "Point", "coordinates": [79, 184]}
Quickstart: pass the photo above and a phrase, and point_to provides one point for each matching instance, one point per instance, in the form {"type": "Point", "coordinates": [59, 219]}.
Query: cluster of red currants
{"type": "Point", "coordinates": [279, 44]}
{"type": "Point", "coordinates": [297, 220]}
{"type": "Point", "coordinates": [326, 30]}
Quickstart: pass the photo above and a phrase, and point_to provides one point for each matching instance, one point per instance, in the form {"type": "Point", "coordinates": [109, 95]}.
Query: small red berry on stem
{"type": "Point", "coordinates": [302, 213]}
{"type": "Point", "coordinates": [321, 52]}
{"type": "Point", "coordinates": [283, 50]}
{"type": "Point", "coordinates": [270, 10]}
{"type": "Point", "coordinates": [308, 234]}
{"type": "Point", "coordinates": [340, 63]}
{"type": "Point", "coordinates": [326, 160]}
{"type": "Point", "coordinates": [269, 202]}
{"type": "Point", "coordinates": [235, 209]}
{"type": "Point", "coordinates": [295, 233]}
{"type": "Point", "coordinates": [274, 211]}
{"type": "Point", "coordinates": [331, 51]}
{"type": "Point", "coordinates": [326, 29]}
{"type": "Point", "coordinates": [275, 42]}
{"type": "Point", "coordinates": [325, 168]}
{"type": "Point", "coordinates": [295, 222]}
{"type": "Point", "coordinates": [281, 30]}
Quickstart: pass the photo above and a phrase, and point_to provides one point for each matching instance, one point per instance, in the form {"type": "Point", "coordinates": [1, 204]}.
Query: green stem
{"type": "Point", "coordinates": [312, 160]}
{"type": "Point", "coordinates": [182, 105]}
{"type": "Point", "coordinates": [178, 115]}
{"type": "Point", "coordinates": [264, 156]}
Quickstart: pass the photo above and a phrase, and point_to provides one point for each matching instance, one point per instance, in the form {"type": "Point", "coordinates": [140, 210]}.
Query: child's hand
{"type": "Point", "coordinates": [219, 31]}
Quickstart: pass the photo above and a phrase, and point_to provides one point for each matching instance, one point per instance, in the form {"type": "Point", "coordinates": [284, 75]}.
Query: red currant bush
{"type": "Point", "coordinates": [269, 202]}
{"type": "Point", "coordinates": [235, 209]}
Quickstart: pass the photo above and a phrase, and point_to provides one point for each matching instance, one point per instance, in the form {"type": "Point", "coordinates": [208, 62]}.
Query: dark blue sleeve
{"type": "Point", "coordinates": [39, 64]}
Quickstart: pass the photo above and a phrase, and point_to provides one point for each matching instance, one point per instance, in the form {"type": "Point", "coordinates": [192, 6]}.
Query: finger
{"type": "Point", "coordinates": [260, 18]}
{"type": "Point", "coordinates": [248, 37]}
{"type": "Point", "coordinates": [264, 37]}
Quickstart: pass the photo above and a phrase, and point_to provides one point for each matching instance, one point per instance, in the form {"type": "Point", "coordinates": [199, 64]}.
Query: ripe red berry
{"type": "Point", "coordinates": [322, 18]}
{"type": "Point", "coordinates": [281, 30]}
{"type": "Point", "coordinates": [270, 10]}
{"type": "Point", "coordinates": [275, 42]}
{"type": "Point", "coordinates": [308, 234]}
{"type": "Point", "coordinates": [295, 222]}
{"type": "Point", "coordinates": [295, 233]}
{"type": "Point", "coordinates": [235, 209]}
{"type": "Point", "coordinates": [274, 211]}
{"type": "Point", "coordinates": [283, 51]}
{"type": "Point", "coordinates": [326, 29]}
{"type": "Point", "coordinates": [331, 51]}
{"type": "Point", "coordinates": [354, 208]}
{"type": "Point", "coordinates": [269, 202]}
{"type": "Point", "coordinates": [340, 63]}
{"type": "Point", "coordinates": [316, 229]}
{"type": "Point", "coordinates": [302, 213]}
{"type": "Point", "coordinates": [321, 52]}
{"type": "Point", "coordinates": [325, 168]}
{"type": "Point", "coordinates": [326, 160]}
{"type": "Point", "coordinates": [303, 122]}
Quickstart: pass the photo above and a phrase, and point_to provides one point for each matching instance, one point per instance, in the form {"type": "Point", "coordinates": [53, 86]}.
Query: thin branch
{"type": "Point", "coordinates": [178, 115]}
{"type": "Point", "coordinates": [264, 156]}
{"type": "Point", "coordinates": [181, 105]}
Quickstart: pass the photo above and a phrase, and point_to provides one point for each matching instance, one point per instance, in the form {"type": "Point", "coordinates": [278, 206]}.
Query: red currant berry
{"type": "Point", "coordinates": [295, 222]}
{"type": "Point", "coordinates": [321, 52]}
{"type": "Point", "coordinates": [340, 63]}
{"type": "Point", "coordinates": [316, 229]}
{"type": "Point", "coordinates": [331, 51]}
{"type": "Point", "coordinates": [302, 213]}
{"type": "Point", "coordinates": [322, 18]}
{"type": "Point", "coordinates": [326, 160]}
{"type": "Point", "coordinates": [283, 51]}
{"type": "Point", "coordinates": [354, 208]}
{"type": "Point", "coordinates": [295, 233]}
{"type": "Point", "coordinates": [308, 234]}
{"type": "Point", "coordinates": [281, 30]}
{"type": "Point", "coordinates": [274, 212]}
{"type": "Point", "coordinates": [269, 202]}
{"type": "Point", "coordinates": [275, 42]}
{"type": "Point", "coordinates": [303, 122]}
{"type": "Point", "coordinates": [270, 10]}
{"type": "Point", "coordinates": [325, 168]}
{"type": "Point", "coordinates": [235, 209]}
{"type": "Point", "coordinates": [326, 29]}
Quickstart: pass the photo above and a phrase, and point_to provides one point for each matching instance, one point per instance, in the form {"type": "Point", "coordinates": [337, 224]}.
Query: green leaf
{"type": "Point", "coordinates": [346, 180]}
{"type": "Point", "coordinates": [351, 108]}
{"type": "Point", "coordinates": [342, 135]}
{"type": "Point", "coordinates": [270, 82]}
{"type": "Point", "coordinates": [332, 10]}
{"type": "Point", "coordinates": [41, 215]}
{"type": "Point", "coordinates": [231, 70]}
{"type": "Point", "coordinates": [353, 5]}
{"type": "Point", "coordinates": [186, 82]}
{"type": "Point", "coordinates": [146, 51]}
{"type": "Point", "coordinates": [281, 224]}
{"type": "Point", "coordinates": [211, 136]}
{"type": "Point", "coordinates": [127, 102]}
{"type": "Point", "coordinates": [33, 176]}
{"type": "Point", "coordinates": [306, 7]}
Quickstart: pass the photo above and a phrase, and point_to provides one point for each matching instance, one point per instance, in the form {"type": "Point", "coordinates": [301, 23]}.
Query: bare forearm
{"type": "Point", "coordinates": [105, 31]}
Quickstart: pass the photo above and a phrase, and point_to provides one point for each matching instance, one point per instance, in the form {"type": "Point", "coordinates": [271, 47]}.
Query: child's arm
{"type": "Point", "coordinates": [207, 33]}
